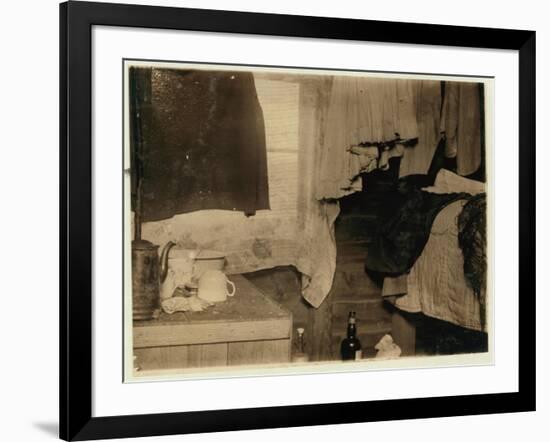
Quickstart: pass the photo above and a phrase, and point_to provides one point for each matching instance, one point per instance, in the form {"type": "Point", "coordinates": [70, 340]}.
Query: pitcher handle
{"type": "Point", "coordinates": [233, 289]}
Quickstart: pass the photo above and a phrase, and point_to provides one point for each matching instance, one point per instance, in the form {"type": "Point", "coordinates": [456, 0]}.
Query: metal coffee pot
{"type": "Point", "coordinates": [148, 273]}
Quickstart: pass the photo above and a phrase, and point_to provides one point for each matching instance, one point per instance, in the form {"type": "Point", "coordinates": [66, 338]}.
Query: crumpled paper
{"type": "Point", "coordinates": [387, 349]}
{"type": "Point", "coordinates": [184, 304]}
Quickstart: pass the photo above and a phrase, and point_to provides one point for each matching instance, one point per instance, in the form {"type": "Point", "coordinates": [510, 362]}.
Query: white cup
{"type": "Point", "coordinates": [213, 286]}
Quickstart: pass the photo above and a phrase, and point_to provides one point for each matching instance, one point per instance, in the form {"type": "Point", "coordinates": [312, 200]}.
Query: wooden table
{"type": "Point", "coordinates": [249, 328]}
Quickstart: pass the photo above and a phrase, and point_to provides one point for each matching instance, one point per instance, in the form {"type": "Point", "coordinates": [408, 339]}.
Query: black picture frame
{"type": "Point", "coordinates": [76, 21]}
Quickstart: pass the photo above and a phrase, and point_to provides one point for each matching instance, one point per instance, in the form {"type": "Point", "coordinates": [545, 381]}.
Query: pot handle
{"type": "Point", "coordinates": [233, 289]}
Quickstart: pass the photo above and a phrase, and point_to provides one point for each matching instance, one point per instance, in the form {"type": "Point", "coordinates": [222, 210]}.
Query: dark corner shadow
{"type": "Point", "coordinates": [51, 428]}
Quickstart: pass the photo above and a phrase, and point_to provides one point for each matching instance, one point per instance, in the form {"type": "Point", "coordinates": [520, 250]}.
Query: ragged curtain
{"type": "Point", "coordinates": [316, 243]}
{"type": "Point", "coordinates": [350, 132]}
{"type": "Point", "coordinates": [377, 110]}
{"type": "Point", "coordinates": [335, 114]}
{"type": "Point", "coordinates": [363, 109]}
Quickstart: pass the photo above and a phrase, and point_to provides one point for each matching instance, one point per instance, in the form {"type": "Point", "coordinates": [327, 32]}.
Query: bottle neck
{"type": "Point", "coordinates": [301, 346]}
{"type": "Point", "coordinates": [352, 330]}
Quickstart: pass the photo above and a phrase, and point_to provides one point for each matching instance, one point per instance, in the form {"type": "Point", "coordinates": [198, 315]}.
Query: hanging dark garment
{"type": "Point", "coordinates": [403, 227]}
{"type": "Point", "coordinates": [202, 138]}
{"type": "Point", "coordinates": [472, 239]}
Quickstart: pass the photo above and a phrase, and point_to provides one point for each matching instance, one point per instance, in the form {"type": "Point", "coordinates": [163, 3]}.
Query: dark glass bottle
{"type": "Point", "coordinates": [350, 349]}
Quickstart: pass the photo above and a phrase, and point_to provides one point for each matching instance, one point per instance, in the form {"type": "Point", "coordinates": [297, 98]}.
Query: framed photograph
{"type": "Point", "coordinates": [272, 221]}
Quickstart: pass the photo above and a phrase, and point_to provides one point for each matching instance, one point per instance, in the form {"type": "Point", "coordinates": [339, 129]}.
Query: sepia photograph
{"type": "Point", "coordinates": [288, 220]}
{"type": "Point", "coordinates": [270, 221]}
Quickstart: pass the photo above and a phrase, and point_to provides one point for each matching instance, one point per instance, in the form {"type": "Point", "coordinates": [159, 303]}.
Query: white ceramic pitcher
{"type": "Point", "coordinates": [179, 271]}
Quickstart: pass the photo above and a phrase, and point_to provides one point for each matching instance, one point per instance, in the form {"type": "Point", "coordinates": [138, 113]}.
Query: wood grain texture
{"type": "Point", "coordinates": [210, 333]}
{"type": "Point", "coordinates": [259, 352]}
{"type": "Point", "coordinates": [161, 357]}
{"type": "Point", "coordinates": [209, 355]}
{"type": "Point", "coordinates": [180, 356]}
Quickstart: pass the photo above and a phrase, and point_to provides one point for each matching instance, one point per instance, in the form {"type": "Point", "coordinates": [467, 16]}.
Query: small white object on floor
{"type": "Point", "coordinates": [387, 349]}
{"type": "Point", "coordinates": [182, 304]}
